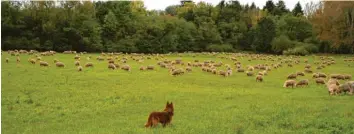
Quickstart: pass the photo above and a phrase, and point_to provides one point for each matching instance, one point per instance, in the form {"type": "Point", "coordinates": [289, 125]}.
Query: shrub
{"type": "Point", "coordinates": [220, 48]}
{"type": "Point", "coordinates": [302, 49]}
{"type": "Point", "coordinates": [281, 43]}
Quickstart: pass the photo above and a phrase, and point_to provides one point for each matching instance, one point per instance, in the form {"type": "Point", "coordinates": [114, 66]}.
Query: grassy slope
{"type": "Point", "coordinates": [61, 100]}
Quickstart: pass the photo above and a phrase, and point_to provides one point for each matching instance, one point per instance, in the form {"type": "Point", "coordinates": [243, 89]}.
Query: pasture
{"type": "Point", "coordinates": [51, 100]}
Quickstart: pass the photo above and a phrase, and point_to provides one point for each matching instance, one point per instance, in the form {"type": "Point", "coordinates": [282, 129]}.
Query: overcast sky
{"type": "Point", "coordinates": [162, 4]}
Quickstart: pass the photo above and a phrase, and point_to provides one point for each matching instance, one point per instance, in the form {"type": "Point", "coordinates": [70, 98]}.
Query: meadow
{"type": "Point", "coordinates": [54, 100]}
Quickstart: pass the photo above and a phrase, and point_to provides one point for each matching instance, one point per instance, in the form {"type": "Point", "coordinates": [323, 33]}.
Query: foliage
{"type": "Point", "coordinates": [265, 32]}
{"type": "Point", "coordinates": [297, 11]}
{"type": "Point", "coordinates": [281, 43]}
{"type": "Point", "coordinates": [220, 48]}
{"type": "Point", "coordinates": [126, 26]}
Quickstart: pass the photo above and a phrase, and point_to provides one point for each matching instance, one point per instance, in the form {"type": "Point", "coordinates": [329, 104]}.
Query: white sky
{"type": "Point", "coordinates": [162, 4]}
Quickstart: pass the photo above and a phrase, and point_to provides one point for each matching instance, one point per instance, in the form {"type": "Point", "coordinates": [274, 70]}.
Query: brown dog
{"type": "Point", "coordinates": [164, 117]}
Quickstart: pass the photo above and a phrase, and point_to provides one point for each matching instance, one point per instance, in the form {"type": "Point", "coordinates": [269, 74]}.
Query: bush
{"type": "Point", "coordinates": [281, 43]}
{"type": "Point", "coordinates": [302, 49]}
{"type": "Point", "coordinates": [220, 48]}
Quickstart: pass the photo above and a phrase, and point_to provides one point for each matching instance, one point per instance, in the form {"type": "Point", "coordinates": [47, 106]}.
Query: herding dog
{"type": "Point", "coordinates": [164, 117]}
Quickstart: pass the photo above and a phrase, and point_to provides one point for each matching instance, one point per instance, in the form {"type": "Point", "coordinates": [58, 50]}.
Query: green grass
{"type": "Point", "coordinates": [52, 100]}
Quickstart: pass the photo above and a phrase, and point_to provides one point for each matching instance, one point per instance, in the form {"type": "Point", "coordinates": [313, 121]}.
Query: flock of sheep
{"type": "Point", "coordinates": [179, 67]}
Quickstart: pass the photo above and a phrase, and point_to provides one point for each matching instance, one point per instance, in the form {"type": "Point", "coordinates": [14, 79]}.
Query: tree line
{"type": "Point", "coordinates": [127, 26]}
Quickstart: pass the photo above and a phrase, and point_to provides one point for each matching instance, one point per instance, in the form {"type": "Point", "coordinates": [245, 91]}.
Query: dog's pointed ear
{"type": "Point", "coordinates": [167, 103]}
{"type": "Point", "coordinates": [171, 103]}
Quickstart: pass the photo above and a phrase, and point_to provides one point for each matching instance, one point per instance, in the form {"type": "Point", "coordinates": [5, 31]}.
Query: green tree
{"type": "Point", "coordinates": [265, 32]}
{"type": "Point", "coordinates": [297, 11]}
{"type": "Point", "coordinates": [281, 43]}
{"type": "Point", "coordinates": [270, 7]}
{"type": "Point", "coordinates": [280, 8]}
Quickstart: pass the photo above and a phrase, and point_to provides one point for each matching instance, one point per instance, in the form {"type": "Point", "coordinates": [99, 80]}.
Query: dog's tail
{"type": "Point", "coordinates": [149, 122]}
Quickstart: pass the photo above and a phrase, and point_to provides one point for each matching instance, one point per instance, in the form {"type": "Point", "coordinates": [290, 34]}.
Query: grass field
{"type": "Point", "coordinates": [50, 100]}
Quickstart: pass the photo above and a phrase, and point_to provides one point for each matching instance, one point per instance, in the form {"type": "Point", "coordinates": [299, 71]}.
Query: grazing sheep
{"type": "Point", "coordinates": [214, 71]}
{"type": "Point", "coordinates": [32, 61]}
{"type": "Point", "coordinates": [300, 74]}
{"type": "Point", "coordinates": [240, 70]}
{"type": "Point", "coordinates": [77, 63]}
{"type": "Point", "coordinates": [347, 76]}
{"type": "Point", "coordinates": [142, 68]}
{"type": "Point", "coordinates": [60, 64]}
{"type": "Point", "coordinates": [188, 69]}
{"type": "Point", "coordinates": [333, 81]}
{"type": "Point", "coordinates": [288, 83]}
{"type": "Point", "coordinates": [79, 68]}
{"type": "Point", "coordinates": [264, 72]}
{"type": "Point", "coordinates": [229, 72]}
{"type": "Point", "coordinates": [18, 59]}
{"type": "Point", "coordinates": [333, 89]}
{"type": "Point", "coordinates": [346, 88]}
{"type": "Point", "coordinates": [308, 66]}
{"type": "Point", "coordinates": [150, 67]}
{"type": "Point", "coordinates": [43, 63]}
{"type": "Point", "coordinates": [320, 81]}
{"type": "Point", "coordinates": [7, 60]}
{"type": "Point", "coordinates": [111, 62]}
{"type": "Point", "coordinates": [322, 75]}
{"type": "Point", "coordinates": [249, 73]}
{"type": "Point", "coordinates": [99, 58]}
{"type": "Point", "coordinates": [259, 78]}
{"type": "Point", "coordinates": [77, 57]}
{"type": "Point", "coordinates": [117, 65]}
{"type": "Point", "coordinates": [126, 67]}
{"type": "Point", "coordinates": [89, 64]}
{"type": "Point", "coordinates": [223, 73]}
{"type": "Point", "coordinates": [315, 75]}
{"type": "Point", "coordinates": [334, 76]}
{"type": "Point", "coordinates": [39, 58]}
{"type": "Point", "coordinates": [340, 77]}
{"type": "Point", "coordinates": [250, 68]}
{"type": "Point", "coordinates": [308, 70]}
{"type": "Point", "coordinates": [302, 83]}
{"type": "Point", "coordinates": [112, 66]}
{"type": "Point", "coordinates": [175, 72]}
{"type": "Point", "coordinates": [291, 76]}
